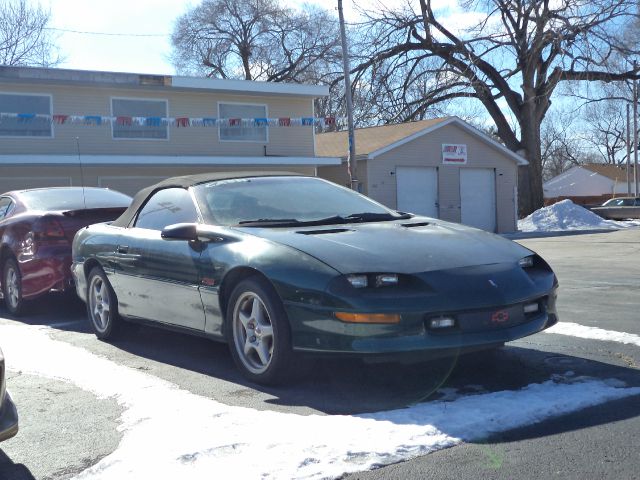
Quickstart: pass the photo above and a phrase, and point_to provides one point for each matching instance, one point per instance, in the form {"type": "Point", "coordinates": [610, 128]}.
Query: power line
{"type": "Point", "coordinates": [64, 30]}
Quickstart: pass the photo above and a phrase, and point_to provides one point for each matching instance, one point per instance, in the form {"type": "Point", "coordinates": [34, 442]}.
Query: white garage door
{"type": "Point", "coordinates": [417, 190]}
{"type": "Point", "coordinates": [478, 197]}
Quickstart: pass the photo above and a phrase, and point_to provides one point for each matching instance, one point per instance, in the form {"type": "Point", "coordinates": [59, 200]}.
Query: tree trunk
{"type": "Point", "coordinates": [530, 197]}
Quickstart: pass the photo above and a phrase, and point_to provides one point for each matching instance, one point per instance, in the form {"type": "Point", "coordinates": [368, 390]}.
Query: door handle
{"type": "Point", "coordinates": [122, 249]}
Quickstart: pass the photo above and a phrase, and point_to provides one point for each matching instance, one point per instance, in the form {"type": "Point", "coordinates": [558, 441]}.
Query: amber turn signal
{"type": "Point", "coordinates": [368, 317]}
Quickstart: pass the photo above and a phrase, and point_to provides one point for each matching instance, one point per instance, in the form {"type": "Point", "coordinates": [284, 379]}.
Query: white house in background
{"type": "Point", "coordinates": [588, 183]}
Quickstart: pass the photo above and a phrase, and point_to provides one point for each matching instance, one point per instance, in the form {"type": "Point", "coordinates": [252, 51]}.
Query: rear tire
{"type": "Point", "coordinates": [12, 287]}
{"type": "Point", "coordinates": [259, 335]}
{"type": "Point", "coordinates": [102, 305]}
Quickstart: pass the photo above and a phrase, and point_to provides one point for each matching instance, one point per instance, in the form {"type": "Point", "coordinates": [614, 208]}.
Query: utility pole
{"type": "Point", "coordinates": [351, 158]}
{"type": "Point", "coordinates": [635, 131]}
{"type": "Point", "coordinates": [628, 149]}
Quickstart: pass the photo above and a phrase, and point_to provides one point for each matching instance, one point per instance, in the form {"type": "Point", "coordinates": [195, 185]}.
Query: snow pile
{"type": "Point", "coordinates": [566, 215]}
{"type": "Point", "coordinates": [171, 433]}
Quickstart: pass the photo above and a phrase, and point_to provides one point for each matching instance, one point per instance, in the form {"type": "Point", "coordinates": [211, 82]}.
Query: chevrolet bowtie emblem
{"type": "Point", "coordinates": [500, 316]}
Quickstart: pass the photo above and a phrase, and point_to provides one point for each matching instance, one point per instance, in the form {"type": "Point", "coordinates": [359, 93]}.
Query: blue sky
{"type": "Point", "coordinates": [126, 53]}
{"type": "Point", "coordinates": [116, 52]}
{"type": "Point", "coordinates": [140, 30]}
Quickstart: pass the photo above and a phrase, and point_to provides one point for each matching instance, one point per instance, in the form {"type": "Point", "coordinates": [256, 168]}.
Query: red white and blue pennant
{"type": "Point", "coordinates": [178, 122]}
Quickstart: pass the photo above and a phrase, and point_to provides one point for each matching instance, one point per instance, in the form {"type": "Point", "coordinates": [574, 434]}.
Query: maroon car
{"type": "Point", "coordinates": [36, 230]}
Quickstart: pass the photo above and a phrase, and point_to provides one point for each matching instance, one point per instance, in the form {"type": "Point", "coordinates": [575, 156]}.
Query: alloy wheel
{"type": "Point", "coordinates": [12, 281]}
{"type": "Point", "coordinates": [253, 332]}
{"type": "Point", "coordinates": [99, 303]}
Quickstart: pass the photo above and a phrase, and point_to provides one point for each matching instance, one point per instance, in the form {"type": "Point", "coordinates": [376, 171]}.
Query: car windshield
{"type": "Point", "coordinates": [286, 200]}
{"type": "Point", "coordinates": [619, 202]}
{"type": "Point", "coordinates": [74, 198]}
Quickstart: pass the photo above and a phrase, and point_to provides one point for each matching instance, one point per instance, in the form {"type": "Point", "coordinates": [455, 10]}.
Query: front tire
{"type": "Point", "coordinates": [259, 334]}
{"type": "Point", "coordinates": [102, 305]}
{"type": "Point", "coordinates": [12, 287]}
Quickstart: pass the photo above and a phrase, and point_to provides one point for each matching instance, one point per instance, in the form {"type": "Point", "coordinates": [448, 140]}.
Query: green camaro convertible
{"type": "Point", "coordinates": [277, 264]}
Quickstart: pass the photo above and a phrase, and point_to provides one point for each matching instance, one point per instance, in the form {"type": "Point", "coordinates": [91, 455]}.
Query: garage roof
{"type": "Point", "coordinates": [374, 141]}
{"type": "Point", "coordinates": [614, 172]}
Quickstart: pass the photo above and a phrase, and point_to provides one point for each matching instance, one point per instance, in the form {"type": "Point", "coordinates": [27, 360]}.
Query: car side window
{"type": "Point", "coordinates": [5, 206]}
{"type": "Point", "coordinates": [166, 207]}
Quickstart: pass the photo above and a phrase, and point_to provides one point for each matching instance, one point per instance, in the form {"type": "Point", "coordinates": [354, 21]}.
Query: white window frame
{"type": "Point", "coordinates": [119, 139]}
{"type": "Point", "coordinates": [31, 94]}
{"type": "Point", "coordinates": [266, 114]}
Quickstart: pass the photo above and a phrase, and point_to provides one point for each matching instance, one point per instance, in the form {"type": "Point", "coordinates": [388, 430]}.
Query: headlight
{"type": "Point", "coordinates": [526, 262]}
{"type": "Point", "coordinates": [386, 279]}
{"type": "Point", "coordinates": [358, 281]}
{"type": "Point", "coordinates": [373, 279]}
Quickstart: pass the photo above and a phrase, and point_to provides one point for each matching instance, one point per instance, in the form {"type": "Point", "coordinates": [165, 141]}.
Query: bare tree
{"type": "Point", "coordinates": [24, 37]}
{"type": "Point", "coordinates": [511, 61]}
{"type": "Point", "coordinates": [606, 130]}
{"type": "Point", "coordinates": [561, 148]}
{"type": "Point", "coordinates": [256, 40]}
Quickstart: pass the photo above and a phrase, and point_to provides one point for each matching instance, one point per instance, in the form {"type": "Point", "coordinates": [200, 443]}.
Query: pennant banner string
{"type": "Point", "coordinates": [178, 122]}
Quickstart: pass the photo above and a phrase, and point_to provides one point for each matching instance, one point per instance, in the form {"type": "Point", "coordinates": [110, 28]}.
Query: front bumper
{"type": "Point", "coordinates": [8, 418]}
{"type": "Point", "coordinates": [80, 280]}
{"type": "Point", "coordinates": [316, 330]}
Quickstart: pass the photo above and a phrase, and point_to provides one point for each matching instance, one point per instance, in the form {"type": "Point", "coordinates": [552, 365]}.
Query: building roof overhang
{"type": "Point", "coordinates": [62, 76]}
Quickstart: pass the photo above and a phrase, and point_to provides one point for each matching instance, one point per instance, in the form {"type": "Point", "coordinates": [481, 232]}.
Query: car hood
{"type": "Point", "coordinates": [409, 246]}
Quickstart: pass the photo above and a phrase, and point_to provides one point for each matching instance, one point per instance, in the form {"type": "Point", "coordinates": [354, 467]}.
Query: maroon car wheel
{"type": "Point", "coordinates": [102, 305]}
{"type": "Point", "coordinates": [12, 287]}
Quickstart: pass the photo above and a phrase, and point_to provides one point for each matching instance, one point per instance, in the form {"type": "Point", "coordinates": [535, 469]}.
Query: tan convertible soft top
{"type": "Point", "coordinates": [186, 181]}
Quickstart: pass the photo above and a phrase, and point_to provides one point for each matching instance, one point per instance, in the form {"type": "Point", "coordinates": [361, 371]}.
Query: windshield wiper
{"type": "Point", "coordinates": [280, 222]}
{"type": "Point", "coordinates": [333, 220]}
{"type": "Point", "coordinates": [291, 222]}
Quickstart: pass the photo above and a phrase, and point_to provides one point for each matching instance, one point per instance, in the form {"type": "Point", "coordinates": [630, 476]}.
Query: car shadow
{"type": "Point", "coordinates": [350, 386]}
{"type": "Point", "coordinates": [13, 471]}
{"type": "Point", "coordinates": [63, 311]}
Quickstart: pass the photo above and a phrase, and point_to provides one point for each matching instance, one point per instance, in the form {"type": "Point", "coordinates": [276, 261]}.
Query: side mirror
{"type": "Point", "coordinates": [196, 232]}
{"type": "Point", "coordinates": [180, 231]}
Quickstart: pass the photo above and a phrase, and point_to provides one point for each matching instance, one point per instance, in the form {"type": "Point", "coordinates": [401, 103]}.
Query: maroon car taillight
{"type": "Point", "coordinates": [50, 233]}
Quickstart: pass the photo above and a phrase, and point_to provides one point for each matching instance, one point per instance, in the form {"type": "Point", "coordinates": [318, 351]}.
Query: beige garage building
{"type": "Point", "coordinates": [442, 168]}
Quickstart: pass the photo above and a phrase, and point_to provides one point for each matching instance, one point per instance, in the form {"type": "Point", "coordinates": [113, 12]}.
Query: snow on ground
{"type": "Point", "coordinates": [566, 215]}
{"type": "Point", "coordinates": [593, 333]}
{"type": "Point", "coordinates": [171, 433]}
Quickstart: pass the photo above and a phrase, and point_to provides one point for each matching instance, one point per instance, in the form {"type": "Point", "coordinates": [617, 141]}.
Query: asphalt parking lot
{"type": "Point", "coordinates": [66, 429]}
